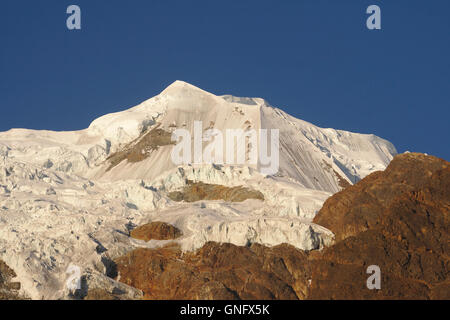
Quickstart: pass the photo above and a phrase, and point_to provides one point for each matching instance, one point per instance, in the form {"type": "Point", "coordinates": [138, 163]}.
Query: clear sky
{"type": "Point", "coordinates": [315, 59]}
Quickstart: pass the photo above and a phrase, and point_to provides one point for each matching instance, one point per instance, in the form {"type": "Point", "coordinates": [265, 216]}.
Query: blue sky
{"type": "Point", "coordinates": [314, 59]}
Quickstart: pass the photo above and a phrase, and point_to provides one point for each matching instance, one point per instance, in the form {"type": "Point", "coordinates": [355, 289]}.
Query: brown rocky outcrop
{"type": "Point", "coordinates": [398, 220]}
{"type": "Point", "coordinates": [197, 191]}
{"type": "Point", "coordinates": [410, 180]}
{"type": "Point", "coordinates": [9, 290]}
{"type": "Point", "coordinates": [157, 231]}
{"type": "Point", "coordinates": [217, 271]}
{"type": "Point", "coordinates": [139, 149]}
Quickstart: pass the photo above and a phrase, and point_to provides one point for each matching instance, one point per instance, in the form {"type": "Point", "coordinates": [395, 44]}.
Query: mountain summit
{"type": "Point", "coordinates": [72, 198]}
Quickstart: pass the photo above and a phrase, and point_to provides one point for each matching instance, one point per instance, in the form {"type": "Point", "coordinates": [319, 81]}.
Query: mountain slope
{"type": "Point", "coordinates": [71, 198]}
{"type": "Point", "coordinates": [397, 220]}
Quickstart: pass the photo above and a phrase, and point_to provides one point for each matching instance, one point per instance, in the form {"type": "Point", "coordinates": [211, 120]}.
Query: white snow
{"type": "Point", "coordinates": [59, 205]}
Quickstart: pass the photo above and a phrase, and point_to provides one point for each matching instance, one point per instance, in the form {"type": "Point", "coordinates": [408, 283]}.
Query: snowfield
{"type": "Point", "coordinates": [62, 204]}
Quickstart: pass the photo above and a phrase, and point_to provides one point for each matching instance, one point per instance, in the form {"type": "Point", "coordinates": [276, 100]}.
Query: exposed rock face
{"type": "Point", "coordinates": [157, 231]}
{"type": "Point", "coordinates": [8, 289]}
{"type": "Point", "coordinates": [217, 271]}
{"type": "Point", "coordinates": [410, 180]}
{"type": "Point", "coordinates": [139, 149]}
{"type": "Point", "coordinates": [202, 191]}
{"type": "Point", "coordinates": [397, 219]}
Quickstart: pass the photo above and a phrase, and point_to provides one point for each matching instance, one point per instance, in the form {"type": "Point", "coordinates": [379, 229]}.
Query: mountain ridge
{"type": "Point", "coordinates": [85, 152]}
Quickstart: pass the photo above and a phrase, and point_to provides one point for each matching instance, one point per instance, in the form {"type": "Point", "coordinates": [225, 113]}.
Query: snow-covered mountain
{"type": "Point", "coordinates": [71, 197]}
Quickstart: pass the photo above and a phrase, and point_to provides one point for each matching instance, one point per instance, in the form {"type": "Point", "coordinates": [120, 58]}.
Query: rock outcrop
{"type": "Point", "coordinates": [196, 191]}
{"type": "Point", "coordinates": [398, 220]}
{"type": "Point", "coordinates": [156, 231]}
{"type": "Point", "coordinates": [139, 149]}
{"type": "Point", "coordinates": [217, 271]}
